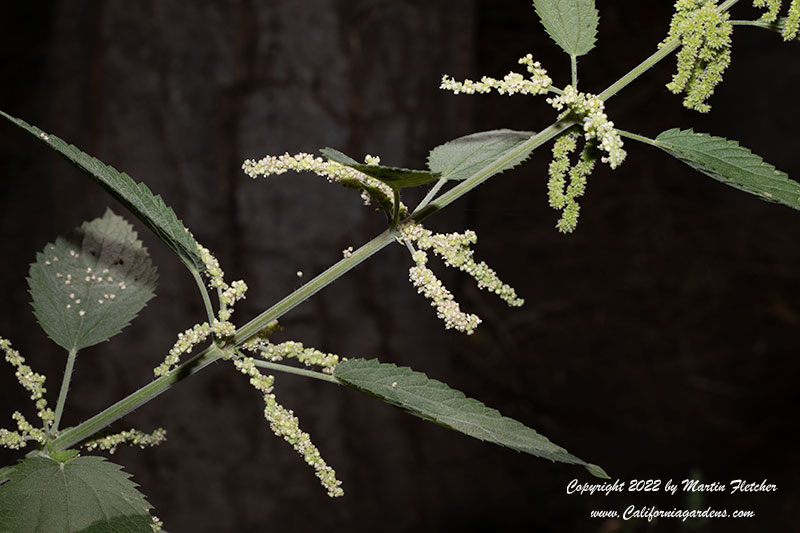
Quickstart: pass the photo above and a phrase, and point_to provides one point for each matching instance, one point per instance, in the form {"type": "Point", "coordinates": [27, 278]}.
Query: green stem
{"type": "Point", "coordinates": [636, 137]}
{"type": "Point", "coordinates": [396, 214]}
{"type": "Point", "coordinates": [297, 371]}
{"type": "Point", "coordinates": [573, 63]}
{"type": "Point", "coordinates": [82, 431]}
{"type": "Point", "coordinates": [204, 293]}
{"type": "Point", "coordinates": [62, 395]}
{"type": "Point", "coordinates": [431, 193]}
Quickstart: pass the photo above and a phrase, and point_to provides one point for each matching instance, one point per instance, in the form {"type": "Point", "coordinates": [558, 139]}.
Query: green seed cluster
{"type": "Point", "coordinates": [447, 308]}
{"type": "Point", "coordinates": [185, 343]}
{"type": "Point", "coordinates": [705, 52]}
{"type": "Point", "coordinates": [455, 249]}
{"type": "Point", "coordinates": [296, 350]}
{"type": "Point", "coordinates": [790, 24]}
{"type": "Point", "coordinates": [134, 437]}
{"type": "Point", "coordinates": [284, 424]}
{"type": "Point", "coordinates": [34, 384]}
{"type": "Point", "coordinates": [561, 195]}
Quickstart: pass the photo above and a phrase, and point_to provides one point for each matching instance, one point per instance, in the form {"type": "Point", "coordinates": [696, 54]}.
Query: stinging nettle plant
{"type": "Point", "coordinates": [87, 286]}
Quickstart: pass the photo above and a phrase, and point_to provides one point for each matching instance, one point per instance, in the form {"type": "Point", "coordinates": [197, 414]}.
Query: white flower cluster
{"type": "Point", "coordinates": [284, 424]}
{"type": "Point", "coordinates": [228, 294]}
{"type": "Point", "coordinates": [133, 437]}
{"type": "Point", "coordinates": [513, 82]}
{"type": "Point", "coordinates": [371, 188]}
{"type": "Point", "coordinates": [455, 250]}
{"type": "Point", "coordinates": [447, 308]}
{"type": "Point", "coordinates": [186, 341]}
{"type": "Point", "coordinates": [296, 350]}
{"type": "Point", "coordinates": [595, 122]}
{"type": "Point", "coordinates": [34, 384]}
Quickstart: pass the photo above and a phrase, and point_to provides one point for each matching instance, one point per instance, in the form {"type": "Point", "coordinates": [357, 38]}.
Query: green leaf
{"type": "Point", "coordinates": [88, 286]}
{"type": "Point", "coordinates": [572, 24]}
{"type": "Point", "coordinates": [83, 494]}
{"type": "Point", "coordinates": [732, 164]}
{"type": "Point", "coordinates": [136, 197]}
{"type": "Point", "coordinates": [461, 158]}
{"type": "Point", "coordinates": [394, 177]}
{"type": "Point", "coordinates": [432, 400]}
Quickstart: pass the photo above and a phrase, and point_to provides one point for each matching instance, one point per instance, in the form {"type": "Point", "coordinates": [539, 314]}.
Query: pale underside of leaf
{"type": "Point", "coordinates": [572, 24]}
{"type": "Point", "coordinates": [88, 286]}
{"type": "Point", "coordinates": [432, 400]}
{"type": "Point", "coordinates": [395, 177]}
{"type": "Point", "coordinates": [83, 494]}
{"type": "Point", "coordinates": [136, 197]}
{"type": "Point", "coordinates": [732, 164]}
{"type": "Point", "coordinates": [462, 157]}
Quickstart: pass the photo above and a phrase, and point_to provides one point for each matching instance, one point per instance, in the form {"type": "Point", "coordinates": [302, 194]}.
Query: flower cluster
{"type": "Point", "coordinates": [221, 327]}
{"type": "Point", "coordinates": [705, 53]}
{"type": "Point", "coordinates": [296, 350]}
{"type": "Point", "coordinates": [284, 424]}
{"type": "Point", "coordinates": [186, 341]}
{"type": "Point", "coordinates": [133, 437]}
{"type": "Point", "coordinates": [562, 196]}
{"type": "Point", "coordinates": [25, 432]}
{"type": "Point", "coordinates": [447, 308]}
{"type": "Point", "coordinates": [513, 82]}
{"type": "Point", "coordinates": [790, 25]}
{"type": "Point", "coordinates": [596, 125]}
{"type": "Point", "coordinates": [34, 384]}
{"type": "Point", "coordinates": [372, 190]}
{"type": "Point", "coordinates": [456, 252]}
{"type": "Point", "coordinates": [228, 294]}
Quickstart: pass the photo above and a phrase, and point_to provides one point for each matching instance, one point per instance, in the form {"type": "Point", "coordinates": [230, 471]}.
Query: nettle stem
{"type": "Point", "coordinates": [429, 206]}
{"type": "Point", "coordinates": [62, 394]}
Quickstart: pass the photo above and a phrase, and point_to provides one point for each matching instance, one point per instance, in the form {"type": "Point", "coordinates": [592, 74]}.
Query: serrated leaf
{"type": "Point", "coordinates": [88, 286]}
{"type": "Point", "coordinates": [462, 157]}
{"type": "Point", "coordinates": [732, 164]}
{"type": "Point", "coordinates": [432, 400]}
{"type": "Point", "coordinates": [394, 177]}
{"type": "Point", "coordinates": [136, 197]}
{"type": "Point", "coordinates": [83, 494]}
{"type": "Point", "coordinates": [572, 24]}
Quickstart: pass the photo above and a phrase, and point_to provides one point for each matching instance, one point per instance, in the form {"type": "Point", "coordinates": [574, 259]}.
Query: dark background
{"type": "Point", "coordinates": [659, 341]}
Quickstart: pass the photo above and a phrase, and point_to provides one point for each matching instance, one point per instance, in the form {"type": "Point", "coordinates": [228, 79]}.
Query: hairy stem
{"type": "Point", "coordinates": [431, 193]}
{"type": "Point", "coordinates": [636, 137]}
{"type": "Point", "coordinates": [82, 431]}
{"type": "Point", "coordinates": [396, 214]}
{"type": "Point", "coordinates": [573, 64]}
{"type": "Point", "coordinates": [204, 293]}
{"type": "Point", "coordinates": [62, 394]}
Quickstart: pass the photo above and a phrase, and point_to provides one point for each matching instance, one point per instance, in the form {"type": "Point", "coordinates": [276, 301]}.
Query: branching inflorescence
{"type": "Point", "coordinates": [454, 249]}
{"type": "Point", "coordinates": [790, 25]}
{"type": "Point", "coordinates": [282, 421]}
{"type": "Point", "coordinates": [584, 108]}
{"type": "Point", "coordinates": [34, 384]}
{"type": "Point", "coordinates": [705, 35]}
